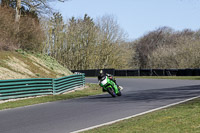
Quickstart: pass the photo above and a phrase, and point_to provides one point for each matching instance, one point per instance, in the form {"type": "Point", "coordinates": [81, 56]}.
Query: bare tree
{"type": "Point", "coordinates": [110, 37]}
{"type": "Point", "coordinates": [166, 48]}
{"type": "Point", "coordinates": [150, 42]}
{"type": "Point", "coordinates": [37, 6]}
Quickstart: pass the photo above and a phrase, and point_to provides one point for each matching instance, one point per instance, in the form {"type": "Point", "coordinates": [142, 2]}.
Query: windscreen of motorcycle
{"type": "Point", "coordinates": [103, 82]}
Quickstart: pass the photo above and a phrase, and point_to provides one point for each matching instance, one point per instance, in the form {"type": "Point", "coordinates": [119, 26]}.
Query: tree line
{"type": "Point", "coordinates": [166, 48]}
{"type": "Point", "coordinates": [84, 43]}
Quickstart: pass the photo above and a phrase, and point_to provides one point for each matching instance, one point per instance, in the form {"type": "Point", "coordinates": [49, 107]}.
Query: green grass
{"type": "Point", "coordinates": [183, 118]}
{"type": "Point", "coordinates": [52, 63]}
{"type": "Point", "coordinates": [92, 89]}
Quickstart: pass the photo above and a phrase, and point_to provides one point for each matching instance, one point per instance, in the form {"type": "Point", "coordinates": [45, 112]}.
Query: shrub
{"type": "Point", "coordinates": [27, 34]}
{"type": "Point", "coordinates": [7, 32]}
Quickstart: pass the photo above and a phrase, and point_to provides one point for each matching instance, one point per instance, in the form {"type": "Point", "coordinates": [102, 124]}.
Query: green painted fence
{"type": "Point", "coordinates": [18, 88]}
{"type": "Point", "coordinates": [64, 84]}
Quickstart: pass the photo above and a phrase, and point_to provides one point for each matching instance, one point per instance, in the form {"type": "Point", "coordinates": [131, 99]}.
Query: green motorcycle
{"type": "Point", "coordinates": [109, 86]}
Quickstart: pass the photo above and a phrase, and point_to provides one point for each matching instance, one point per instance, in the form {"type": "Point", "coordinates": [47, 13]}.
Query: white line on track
{"type": "Point", "coordinates": [111, 122]}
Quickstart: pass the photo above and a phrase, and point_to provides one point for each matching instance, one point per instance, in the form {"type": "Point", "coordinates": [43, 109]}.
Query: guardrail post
{"type": "Point", "coordinates": [83, 79]}
{"type": "Point", "coordinates": [53, 87]}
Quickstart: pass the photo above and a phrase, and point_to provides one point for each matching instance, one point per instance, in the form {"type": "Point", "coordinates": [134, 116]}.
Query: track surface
{"type": "Point", "coordinates": [139, 95]}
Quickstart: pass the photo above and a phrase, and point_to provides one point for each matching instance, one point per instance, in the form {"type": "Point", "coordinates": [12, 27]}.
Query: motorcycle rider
{"type": "Point", "coordinates": [101, 75]}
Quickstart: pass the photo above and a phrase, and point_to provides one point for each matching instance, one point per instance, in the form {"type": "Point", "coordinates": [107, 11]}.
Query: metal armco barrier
{"type": "Point", "coordinates": [68, 83]}
{"type": "Point", "coordinates": [18, 88]}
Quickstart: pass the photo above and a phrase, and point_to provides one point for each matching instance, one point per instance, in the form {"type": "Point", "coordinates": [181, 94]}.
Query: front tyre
{"type": "Point", "coordinates": [119, 93]}
{"type": "Point", "coordinates": [111, 92]}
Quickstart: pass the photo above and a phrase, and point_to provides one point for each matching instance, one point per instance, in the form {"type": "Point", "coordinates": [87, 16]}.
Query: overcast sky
{"type": "Point", "coordinates": [137, 17]}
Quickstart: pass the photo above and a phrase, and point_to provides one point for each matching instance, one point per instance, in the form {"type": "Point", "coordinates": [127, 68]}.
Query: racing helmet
{"type": "Point", "coordinates": [101, 74]}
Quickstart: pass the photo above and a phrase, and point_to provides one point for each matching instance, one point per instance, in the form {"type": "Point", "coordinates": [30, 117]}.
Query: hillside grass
{"type": "Point", "coordinates": [20, 64]}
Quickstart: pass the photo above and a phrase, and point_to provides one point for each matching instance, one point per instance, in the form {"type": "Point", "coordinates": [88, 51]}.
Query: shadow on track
{"type": "Point", "coordinates": [149, 95]}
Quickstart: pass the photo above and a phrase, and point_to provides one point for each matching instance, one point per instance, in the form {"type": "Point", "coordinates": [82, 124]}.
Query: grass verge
{"type": "Point", "coordinates": [183, 118]}
{"type": "Point", "coordinates": [91, 89]}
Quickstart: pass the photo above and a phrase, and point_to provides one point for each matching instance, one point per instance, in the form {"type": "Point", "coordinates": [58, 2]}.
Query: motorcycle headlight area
{"type": "Point", "coordinates": [103, 82]}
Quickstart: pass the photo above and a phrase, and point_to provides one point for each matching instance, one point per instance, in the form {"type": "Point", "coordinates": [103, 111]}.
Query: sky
{"type": "Point", "coordinates": [137, 17]}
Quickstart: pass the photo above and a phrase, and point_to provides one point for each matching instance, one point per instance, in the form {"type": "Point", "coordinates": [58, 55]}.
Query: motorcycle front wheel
{"type": "Point", "coordinates": [119, 93]}
{"type": "Point", "coordinates": [111, 92]}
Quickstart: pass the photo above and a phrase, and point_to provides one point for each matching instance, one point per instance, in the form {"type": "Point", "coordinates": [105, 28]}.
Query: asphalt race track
{"type": "Point", "coordinates": [139, 95]}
